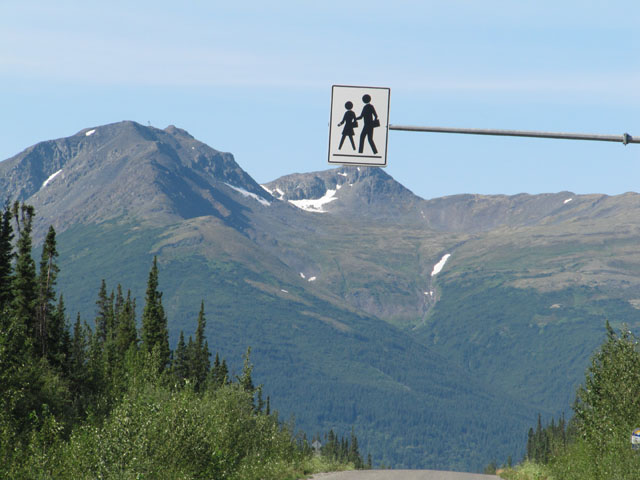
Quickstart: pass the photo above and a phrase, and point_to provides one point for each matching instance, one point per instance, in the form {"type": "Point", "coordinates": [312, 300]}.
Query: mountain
{"type": "Point", "coordinates": [127, 170]}
{"type": "Point", "coordinates": [527, 284]}
{"type": "Point", "coordinates": [437, 328]}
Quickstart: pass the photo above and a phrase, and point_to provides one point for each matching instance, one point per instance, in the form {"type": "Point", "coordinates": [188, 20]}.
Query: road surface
{"type": "Point", "coordinates": [402, 475]}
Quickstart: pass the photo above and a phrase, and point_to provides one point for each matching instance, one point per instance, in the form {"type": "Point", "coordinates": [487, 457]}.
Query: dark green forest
{"type": "Point", "coordinates": [330, 367]}
{"type": "Point", "coordinates": [112, 400]}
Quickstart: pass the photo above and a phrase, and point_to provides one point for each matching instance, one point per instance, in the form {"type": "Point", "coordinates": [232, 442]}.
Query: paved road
{"type": "Point", "coordinates": [402, 475]}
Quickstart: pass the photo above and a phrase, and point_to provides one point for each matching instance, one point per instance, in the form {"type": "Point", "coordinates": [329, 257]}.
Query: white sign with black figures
{"type": "Point", "coordinates": [359, 125]}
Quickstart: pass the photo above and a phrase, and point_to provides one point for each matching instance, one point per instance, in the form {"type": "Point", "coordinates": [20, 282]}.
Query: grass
{"type": "Point", "coordinates": [527, 471]}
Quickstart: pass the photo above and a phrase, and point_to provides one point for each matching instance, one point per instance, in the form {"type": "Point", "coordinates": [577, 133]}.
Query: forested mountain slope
{"type": "Point", "coordinates": [438, 328]}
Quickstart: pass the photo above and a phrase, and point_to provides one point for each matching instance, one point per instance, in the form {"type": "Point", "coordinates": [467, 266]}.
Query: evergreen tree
{"type": "Point", "coordinates": [101, 358]}
{"type": "Point", "coordinates": [354, 452]}
{"type": "Point", "coordinates": [200, 354]}
{"type": "Point", "coordinates": [59, 340]}
{"type": "Point", "coordinates": [260, 400]}
{"type": "Point", "coordinates": [24, 282]}
{"type": "Point", "coordinates": [544, 443]}
{"type": "Point", "coordinates": [6, 257]}
{"type": "Point", "coordinates": [219, 374]}
{"type": "Point", "coordinates": [117, 307]}
{"type": "Point", "coordinates": [96, 362]}
{"type": "Point", "coordinates": [180, 365]}
{"type": "Point", "coordinates": [103, 315]}
{"type": "Point", "coordinates": [127, 335]}
{"type": "Point", "coordinates": [28, 386]}
{"type": "Point", "coordinates": [15, 369]}
{"type": "Point", "coordinates": [191, 355]}
{"type": "Point", "coordinates": [245, 380]}
{"type": "Point", "coordinates": [77, 363]}
{"type": "Point", "coordinates": [78, 351]}
{"type": "Point", "coordinates": [44, 336]}
{"type": "Point", "coordinates": [154, 322]}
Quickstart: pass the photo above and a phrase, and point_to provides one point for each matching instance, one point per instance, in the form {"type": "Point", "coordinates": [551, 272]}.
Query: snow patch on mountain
{"type": "Point", "coordinates": [277, 192]}
{"type": "Point", "coordinates": [567, 200]}
{"type": "Point", "coordinates": [90, 132]}
{"type": "Point", "coordinates": [244, 192]}
{"type": "Point", "coordinates": [316, 204]}
{"type": "Point", "coordinates": [437, 268]}
{"type": "Point", "coordinates": [51, 177]}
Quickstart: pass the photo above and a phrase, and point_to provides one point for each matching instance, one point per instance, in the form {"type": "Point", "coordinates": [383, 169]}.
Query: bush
{"type": "Point", "coordinates": [158, 433]}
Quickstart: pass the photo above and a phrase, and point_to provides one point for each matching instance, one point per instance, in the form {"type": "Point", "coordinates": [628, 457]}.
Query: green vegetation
{"type": "Point", "coordinates": [324, 365]}
{"type": "Point", "coordinates": [595, 445]}
{"type": "Point", "coordinates": [111, 402]}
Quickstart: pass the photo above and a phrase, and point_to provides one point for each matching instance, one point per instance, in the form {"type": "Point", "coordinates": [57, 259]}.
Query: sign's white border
{"type": "Point", "coordinates": [380, 100]}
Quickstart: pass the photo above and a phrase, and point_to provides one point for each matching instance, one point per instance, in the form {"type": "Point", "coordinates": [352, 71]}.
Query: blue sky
{"type": "Point", "coordinates": [254, 79]}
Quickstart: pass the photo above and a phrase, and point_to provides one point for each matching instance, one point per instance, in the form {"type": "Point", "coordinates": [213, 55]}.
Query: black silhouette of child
{"type": "Point", "coordinates": [350, 123]}
{"type": "Point", "coordinates": [370, 118]}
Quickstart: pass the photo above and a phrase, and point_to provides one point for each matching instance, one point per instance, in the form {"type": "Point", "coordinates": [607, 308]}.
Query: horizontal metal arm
{"type": "Point", "coordinates": [625, 138]}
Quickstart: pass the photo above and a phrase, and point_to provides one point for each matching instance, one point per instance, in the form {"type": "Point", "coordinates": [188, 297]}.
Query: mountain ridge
{"type": "Point", "coordinates": [333, 272]}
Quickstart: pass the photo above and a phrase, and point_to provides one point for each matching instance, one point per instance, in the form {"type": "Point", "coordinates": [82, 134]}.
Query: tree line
{"type": "Point", "coordinates": [113, 400]}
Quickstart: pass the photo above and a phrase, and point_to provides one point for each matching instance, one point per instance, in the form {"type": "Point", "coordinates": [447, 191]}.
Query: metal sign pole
{"type": "Point", "coordinates": [625, 138]}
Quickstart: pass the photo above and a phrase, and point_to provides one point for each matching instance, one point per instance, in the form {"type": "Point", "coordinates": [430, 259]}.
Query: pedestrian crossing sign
{"type": "Point", "coordinates": [359, 125]}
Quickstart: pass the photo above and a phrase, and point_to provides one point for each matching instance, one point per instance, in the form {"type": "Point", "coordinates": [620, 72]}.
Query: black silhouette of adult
{"type": "Point", "coordinates": [350, 123]}
{"type": "Point", "coordinates": [370, 118]}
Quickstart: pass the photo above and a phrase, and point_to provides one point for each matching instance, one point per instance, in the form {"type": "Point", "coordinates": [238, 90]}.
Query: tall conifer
{"type": "Point", "coordinates": [6, 257]}
{"type": "Point", "coordinates": [127, 335]}
{"type": "Point", "coordinates": [24, 281]}
{"type": "Point", "coordinates": [46, 294]}
{"type": "Point", "coordinates": [154, 322]}
{"type": "Point", "coordinates": [201, 363]}
{"type": "Point", "coordinates": [180, 361]}
{"type": "Point", "coordinates": [103, 315]}
{"type": "Point", "coordinates": [58, 339]}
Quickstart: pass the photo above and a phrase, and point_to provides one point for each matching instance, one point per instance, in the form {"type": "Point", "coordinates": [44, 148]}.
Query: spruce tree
{"type": "Point", "coordinates": [224, 373]}
{"type": "Point", "coordinates": [46, 295]}
{"type": "Point", "coordinates": [24, 282]}
{"type": "Point", "coordinates": [354, 452]}
{"type": "Point", "coordinates": [103, 314]}
{"type": "Point", "coordinates": [245, 380]}
{"type": "Point", "coordinates": [127, 335]}
{"type": "Point", "coordinates": [155, 335]}
{"type": "Point", "coordinates": [76, 368]}
{"type": "Point", "coordinates": [98, 360]}
{"type": "Point", "coordinates": [58, 339]}
{"type": "Point", "coordinates": [219, 372]}
{"type": "Point", "coordinates": [77, 360]}
{"type": "Point", "coordinates": [201, 364]}
{"type": "Point", "coordinates": [117, 307]}
{"type": "Point", "coordinates": [21, 378]}
{"type": "Point", "coordinates": [6, 257]}
{"type": "Point", "coordinates": [180, 365]}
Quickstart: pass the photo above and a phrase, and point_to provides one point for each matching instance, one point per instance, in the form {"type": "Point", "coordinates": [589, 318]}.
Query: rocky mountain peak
{"type": "Point", "coordinates": [127, 169]}
{"type": "Point", "coordinates": [358, 191]}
